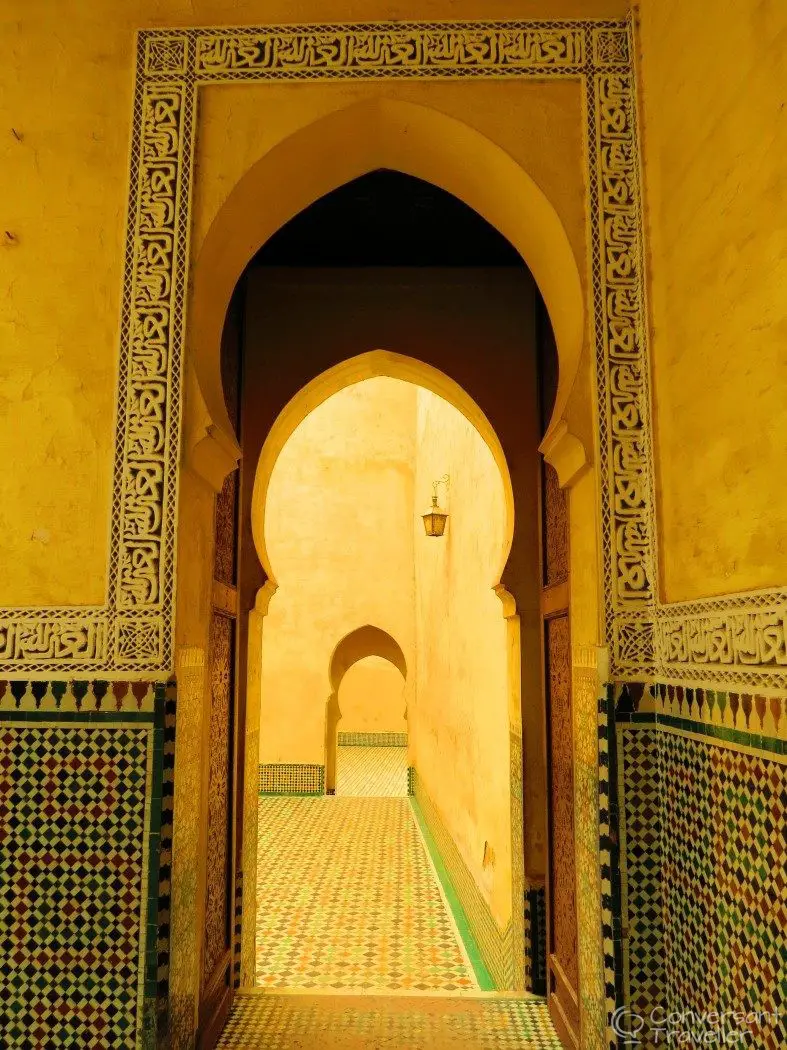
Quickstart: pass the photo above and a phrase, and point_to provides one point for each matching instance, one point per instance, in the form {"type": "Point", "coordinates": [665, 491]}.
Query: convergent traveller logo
{"type": "Point", "coordinates": [691, 1028]}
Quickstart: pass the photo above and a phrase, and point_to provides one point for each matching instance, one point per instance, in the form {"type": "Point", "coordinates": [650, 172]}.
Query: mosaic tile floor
{"type": "Point", "coordinates": [375, 772]}
{"type": "Point", "coordinates": [348, 899]}
{"type": "Point", "coordinates": [303, 1022]}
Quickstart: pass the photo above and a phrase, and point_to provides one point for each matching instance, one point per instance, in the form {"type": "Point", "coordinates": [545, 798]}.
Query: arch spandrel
{"type": "Point", "coordinates": [350, 142]}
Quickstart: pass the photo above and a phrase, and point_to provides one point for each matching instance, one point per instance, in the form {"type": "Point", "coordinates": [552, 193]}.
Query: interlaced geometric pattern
{"type": "Point", "coordinates": [725, 882]}
{"type": "Point", "coordinates": [291, 778]}
{"type": "Point", "coordinates": [371, 772]}
{"type": "Point", "coordinates": [641, 828]}
{"type": "Point", "coordinates": [288, 1022]}
{"type": "Point", "coordinates": [346, 898]}
{"type": "Point", "coordinates": [72, 861]}
{"type": "Point", "coordinates": [740, 638]}
{"type": "Point", "coordinates": [704, 861]}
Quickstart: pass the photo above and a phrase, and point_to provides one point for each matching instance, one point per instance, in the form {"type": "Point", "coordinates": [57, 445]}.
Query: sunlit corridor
{"type": "Point", "coordinates": [357, 928]}
{"type": "Point", "coordinates": [350, 900]}
{"type": "Point", "coordinates": [384, 849]}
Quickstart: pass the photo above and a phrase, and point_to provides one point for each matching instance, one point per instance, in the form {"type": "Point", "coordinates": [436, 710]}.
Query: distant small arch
{"type": "Point", "coordinates": [360, 643]}
{"type": "Point", "coordinates": [356, 646]}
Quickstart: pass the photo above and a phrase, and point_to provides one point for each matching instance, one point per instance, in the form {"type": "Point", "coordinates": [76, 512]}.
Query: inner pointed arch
{"type": "Point", "coordinates": [354, 370]}
{"type": "Point", "coordinates": [358, 645]}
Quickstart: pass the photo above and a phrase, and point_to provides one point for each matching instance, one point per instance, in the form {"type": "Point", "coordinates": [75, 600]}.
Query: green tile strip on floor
{"type": "Point", "coordinates": [484, 978]}
{"type": "Point", "coordinates": [495, 945]}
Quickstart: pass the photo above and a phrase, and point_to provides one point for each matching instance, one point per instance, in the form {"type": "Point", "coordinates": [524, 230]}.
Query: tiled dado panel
{"type": "Point", "coordinates": [291, 778]}
{"type": "Point", "coordinates": [703, 808]}
{"type": "Point", "coordinates": [494, 944]}
{"type": "Point", "coordinates": [372, 739]}
{"type": "Point", "coordinates": [81, 778]}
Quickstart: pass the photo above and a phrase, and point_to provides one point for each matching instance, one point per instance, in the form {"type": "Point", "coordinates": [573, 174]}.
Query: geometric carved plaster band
{"type": "Point", "coordinates": [131, 635]}
{"type": "Point", "coordinates": [736, 639]}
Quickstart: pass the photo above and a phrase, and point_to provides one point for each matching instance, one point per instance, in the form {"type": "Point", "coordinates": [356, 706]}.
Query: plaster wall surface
{"type": "Point", "coordinates": [461, 723]}
{"type": "Point", "coordinates": [68, 80]}
{"type": "Point", "coordinates": [371, 698]}
{"type": "Point", "coordinates": [715, 139]}
{"type": "Point", "coordinates": [339, 533]}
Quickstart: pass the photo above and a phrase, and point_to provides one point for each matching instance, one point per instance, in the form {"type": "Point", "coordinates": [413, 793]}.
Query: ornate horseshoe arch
{"type": "Point", "coordinates": [739, 638]}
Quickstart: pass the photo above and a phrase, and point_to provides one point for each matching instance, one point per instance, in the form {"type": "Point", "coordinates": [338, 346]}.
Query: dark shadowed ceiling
{"type": "Point", "coordinates": [386, 218]}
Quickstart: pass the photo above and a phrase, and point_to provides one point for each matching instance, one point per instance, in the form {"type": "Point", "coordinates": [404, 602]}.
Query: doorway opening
{"type": "Point", "coordinates": [366, 717]}
{"type": "Point", "coordinates": [363, 463]}
{"type": "Point", "coordinates": [389, 261]}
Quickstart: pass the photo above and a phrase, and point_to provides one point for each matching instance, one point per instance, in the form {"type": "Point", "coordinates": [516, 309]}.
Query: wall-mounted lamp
{"type": "Point", "coordinates": [434, 521]}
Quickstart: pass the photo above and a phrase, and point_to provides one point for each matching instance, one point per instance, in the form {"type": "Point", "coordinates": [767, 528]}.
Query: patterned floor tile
{"type": "Point", "coordinates": [302, 1022]}
{"type": "Point", "coordinates": [374, 772]}
{"type": "Point", "coordinates": [347, 899]}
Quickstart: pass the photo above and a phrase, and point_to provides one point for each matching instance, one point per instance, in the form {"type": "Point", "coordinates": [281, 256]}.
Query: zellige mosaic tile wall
{"type": "Point", "coordinates": [702, 784]}
{"type": "Point", "coordinates": [81, 774]}
{"type": "Point", "coordinates": [291, 778]}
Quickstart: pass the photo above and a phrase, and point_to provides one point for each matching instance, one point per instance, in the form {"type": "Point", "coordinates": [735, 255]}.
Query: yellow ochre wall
{"type": "Point", "coordinates": [347, 546]}
{"type": "Point", "coordinates": [460, 732]}
{"type": "Point", "coordinates": [371, 698]}
{"type": "Point", "coordinates": [715, 139]}
{"type": "Point", "coordinates": [67, 92]}
{"type": "Point", "coordinates": [339, 534]}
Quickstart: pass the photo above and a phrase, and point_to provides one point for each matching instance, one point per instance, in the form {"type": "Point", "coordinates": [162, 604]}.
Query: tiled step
{"type": "Point", "coordinates": [306, 1022]}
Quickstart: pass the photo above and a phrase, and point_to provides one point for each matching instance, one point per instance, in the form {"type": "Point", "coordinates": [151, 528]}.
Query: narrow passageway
{"type": "Point", "coordinates": [357, 944]}
{"type": "Point", "coordinates": [348, 899]}
{"type": "Point", "coordinates": [392, 906]}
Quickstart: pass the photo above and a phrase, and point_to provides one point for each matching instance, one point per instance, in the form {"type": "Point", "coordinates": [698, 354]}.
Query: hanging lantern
{"type": "Point", "coordinates": [434, 521]}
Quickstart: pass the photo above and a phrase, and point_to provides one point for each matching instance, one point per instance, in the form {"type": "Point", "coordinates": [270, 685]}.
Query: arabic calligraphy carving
{"type": "Point", "coordinates": [384, 49]}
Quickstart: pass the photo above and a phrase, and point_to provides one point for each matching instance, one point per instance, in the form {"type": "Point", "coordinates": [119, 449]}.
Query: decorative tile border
{"type": "Point", "coordinates": [494, 944]}
{"type": "Point", "coordinates": [609, 861]}
{"type": "Point", "coordinates": [536, 943]}
{"type": "Point", "coordinates": [77, 697]}
{"type": "Point", "coordinates": [165, 859]}
{"type": "Point", "coordinates": [291, 778]}
{"type": "Point", "coordinates": [372, 740]}
{"type": "Point", "coordinates": [80, 770]}
{"type": "Point", "coordinates": [742, 719]}
{"type": "Point", "coordinates": [411, 780]}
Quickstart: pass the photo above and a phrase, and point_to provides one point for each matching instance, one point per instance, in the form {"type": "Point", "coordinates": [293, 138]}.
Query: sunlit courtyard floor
{"type": "Point", "coordinates": [356, 946]}
{"type": "Point", "coordinates": [379, 772]}
{"type": "Point", "coordinates": [347, 898]}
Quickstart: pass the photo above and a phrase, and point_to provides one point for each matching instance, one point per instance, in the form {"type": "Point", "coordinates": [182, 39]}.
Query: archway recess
{"type": "Point", "coordinates": [360, 643]}
{"type": "Point", "coordinates": [356, 370]}
{"type": "Point", "coordinates": [356, 646]}
{"type": "Point", "coordinates": [353, 141]}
